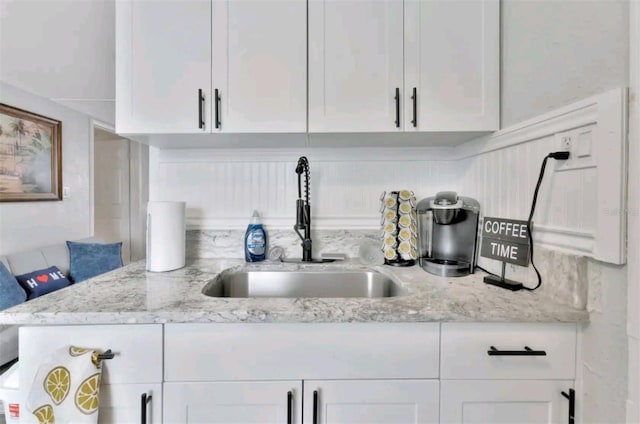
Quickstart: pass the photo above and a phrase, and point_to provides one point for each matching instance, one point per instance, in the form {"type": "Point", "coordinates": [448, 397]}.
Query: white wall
{"type": "Point", "coordinates": [62, 50]}
{"type": "Point", "coordinates": [555, 52]}
{"type": "Point", "coordinates": [24, 225]}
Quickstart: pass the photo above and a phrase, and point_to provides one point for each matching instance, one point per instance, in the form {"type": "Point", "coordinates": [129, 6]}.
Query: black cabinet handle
{"type": "Point", "coordinates": [572, 405]}
{"type": "Point", "coordinates": [397, 99]}
{"type": "Point", "coordinates": [107, 354]}
{"type": "Point", "coordinates": [526, 352]}
{"type": "Point", "coordinates": [290, 407]}
{"type": "Point", "coordinates": [144, 401]}
{"type": "Point", "coordinates": [217, 107]}
{"type": "Point", "coordinates": [414, 97]}
{"type": "Point", "coordinates": [200, 108]}
{"type": "Point", "coordinates": [315, 407]}
{"type": "Point", "coordinates": [96, 357]}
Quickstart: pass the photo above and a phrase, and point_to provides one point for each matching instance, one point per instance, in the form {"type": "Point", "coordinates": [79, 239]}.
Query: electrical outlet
{"type": "Point", "coordinates": [566, 141]}
{"type": "Point", "coordinates": [580, 143]}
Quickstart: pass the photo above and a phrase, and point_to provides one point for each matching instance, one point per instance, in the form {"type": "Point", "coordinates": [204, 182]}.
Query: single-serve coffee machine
{"type": "Point", "coordinates": [447, 234]}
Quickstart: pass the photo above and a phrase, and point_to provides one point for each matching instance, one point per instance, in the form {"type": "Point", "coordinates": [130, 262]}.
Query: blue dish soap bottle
{"type": "Point", "coordinates": [255, 240]}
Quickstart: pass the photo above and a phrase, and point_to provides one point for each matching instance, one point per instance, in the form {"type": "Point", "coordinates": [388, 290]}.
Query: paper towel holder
{"type": "Point", "coordinates": [166, 235]}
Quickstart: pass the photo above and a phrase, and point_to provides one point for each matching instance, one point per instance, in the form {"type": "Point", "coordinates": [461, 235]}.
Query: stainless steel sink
{"type": "Point", "coordinates": [302, 284]}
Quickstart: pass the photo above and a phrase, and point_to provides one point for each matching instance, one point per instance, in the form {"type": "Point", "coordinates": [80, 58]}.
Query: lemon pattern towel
{"type": "Point", "coordinates": [66, 387]}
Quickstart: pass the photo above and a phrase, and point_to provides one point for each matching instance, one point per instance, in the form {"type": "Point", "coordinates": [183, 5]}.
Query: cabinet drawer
{"type": "Point", "coordinates": [137, 348]}
{"type": "Point", "coordinates": [465, 351]}
{"type": "Point", "coordinates": [201, 352]}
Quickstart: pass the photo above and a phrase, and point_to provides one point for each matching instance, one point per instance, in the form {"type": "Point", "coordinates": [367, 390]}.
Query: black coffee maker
{"type": "Point", "coordinates": [448, 234]}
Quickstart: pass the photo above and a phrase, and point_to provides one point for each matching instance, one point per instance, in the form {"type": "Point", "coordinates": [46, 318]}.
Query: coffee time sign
{"type": "Point", "coordinates": [506, 240]}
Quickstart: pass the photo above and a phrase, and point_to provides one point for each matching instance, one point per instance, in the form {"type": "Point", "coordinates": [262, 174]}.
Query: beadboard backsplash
{"type": "Point", "coordinates": [580, 210]}
{"type": "Point", "coordinates": [222, 188]}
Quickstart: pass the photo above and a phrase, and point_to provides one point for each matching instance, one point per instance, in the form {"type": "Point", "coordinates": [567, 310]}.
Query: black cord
{"type": "Point", "coordinates": [558, 156]}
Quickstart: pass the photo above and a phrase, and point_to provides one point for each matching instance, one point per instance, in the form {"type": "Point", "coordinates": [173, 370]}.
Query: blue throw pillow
{"type": "Point", "coordinates": [90, 259]}
{"type": "Point", "coordinates": [10, 291]}
{"type": "Point", "coordinates": [43, 281]}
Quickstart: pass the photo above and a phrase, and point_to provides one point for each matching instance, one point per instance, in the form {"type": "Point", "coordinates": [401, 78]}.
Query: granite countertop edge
{"type": "Point", "coordinates": [132, 295]}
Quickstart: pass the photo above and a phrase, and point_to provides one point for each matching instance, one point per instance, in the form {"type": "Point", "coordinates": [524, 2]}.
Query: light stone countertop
{"type": "Point", "coordinates": [132, 295]}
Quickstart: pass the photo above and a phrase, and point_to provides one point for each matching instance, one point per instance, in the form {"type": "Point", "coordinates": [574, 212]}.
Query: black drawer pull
{"type": "Point", "coordinates": [144, 401]}
{"type": "Point", "coordinates": [200, 107]}
{"type": "Point", "coordinates": [572, 405]}
{"type": "Point", "coordinates": [526, 352]}
{"type": "Point", "coordinates": [217, 111]}
{"type": "Point", "coordinates": [289, 407]}
{"type": "Point", "coordinates": [414, 97]}
{"type": "Point", "coordinates": [315, 407]}
{"type": "Point", "coordinates": [107, 354]}
{"type": "Point", "coordinates": [97, 357]}
{"type": "Point", "coordinates": [397, 99]}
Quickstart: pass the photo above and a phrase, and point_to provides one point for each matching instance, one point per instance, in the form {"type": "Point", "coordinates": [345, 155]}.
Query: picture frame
{"type": "Point", "coordinates": [30, 156]}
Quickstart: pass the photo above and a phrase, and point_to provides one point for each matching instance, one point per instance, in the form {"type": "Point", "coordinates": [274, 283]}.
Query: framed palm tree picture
{"type": "Point", "coordinates": [30, 156]}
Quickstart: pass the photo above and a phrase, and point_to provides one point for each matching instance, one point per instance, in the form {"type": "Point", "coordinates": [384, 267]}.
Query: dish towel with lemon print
{"type": "Point", "coordinates": [66, 387]}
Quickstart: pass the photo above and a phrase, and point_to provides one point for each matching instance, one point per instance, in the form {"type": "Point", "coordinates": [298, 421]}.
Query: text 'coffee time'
{"type": "Point", "coordinates": [506, 240]}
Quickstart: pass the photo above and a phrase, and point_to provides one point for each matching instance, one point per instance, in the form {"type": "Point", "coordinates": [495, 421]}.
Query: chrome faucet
{"type": "Point", "coordinates": [303, 209]}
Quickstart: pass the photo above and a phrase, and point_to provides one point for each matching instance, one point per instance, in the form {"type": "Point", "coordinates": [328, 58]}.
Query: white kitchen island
{"type": "Point", "coordinates": [449, 350]}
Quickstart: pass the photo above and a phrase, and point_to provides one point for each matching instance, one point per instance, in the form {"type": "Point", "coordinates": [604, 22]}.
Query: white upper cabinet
{"type": "Point", "coordinates": [296, 66]}
{"type": "Point", "coordinates": [201, 66]}
{"type": "Point", "coordinates": [452, 61]}
{"type": "Point", "coordinates": [441, 56]}
{"type": "Point", "coordinates": [260, 65]}
{"type": "Point", "coordinates": [163, 60]}
{"type": "Point", "coordinates": [355, 65]}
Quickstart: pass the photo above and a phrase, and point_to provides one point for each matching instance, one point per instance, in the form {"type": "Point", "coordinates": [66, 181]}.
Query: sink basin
{"type": "Point", "coordinates": [302, 284]}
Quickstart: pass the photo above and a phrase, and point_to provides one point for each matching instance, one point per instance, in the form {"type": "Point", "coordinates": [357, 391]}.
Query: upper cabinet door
{"type": "Point", "coordinates": [355, 65]}
{"type": "Point", "coordinates": [163, 60]}
{"type": "Point", "coordinates": [259, 66]}
{"type": "Point", "coordinates": [452, 60]}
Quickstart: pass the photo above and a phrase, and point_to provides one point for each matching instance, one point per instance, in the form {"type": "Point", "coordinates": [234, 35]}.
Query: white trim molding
{"type": "Point", "coordinates": [579, 114]}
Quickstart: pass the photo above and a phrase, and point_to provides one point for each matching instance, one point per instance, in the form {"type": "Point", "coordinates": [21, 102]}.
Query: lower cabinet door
{"type": "Point", "coordinates": [504, 401]}
{"type": "Point", "coordinates": [233, 402]}
{"type": "Point", "coordinates": [371, 401]}
{"type": "Point", "coordinates": [130, 404]}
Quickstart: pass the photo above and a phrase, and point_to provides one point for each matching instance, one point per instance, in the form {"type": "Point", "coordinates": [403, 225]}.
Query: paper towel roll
{"type": "Point", "coordinates": [166, 236]}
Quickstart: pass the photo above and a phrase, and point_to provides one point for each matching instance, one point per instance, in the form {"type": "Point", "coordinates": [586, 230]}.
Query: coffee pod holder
{"type": "Point", "coordinates": [399, 228]}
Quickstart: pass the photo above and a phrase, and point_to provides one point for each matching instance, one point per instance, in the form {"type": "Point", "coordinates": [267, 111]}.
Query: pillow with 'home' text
{"type": "Point", "coordinates": [37, 283]}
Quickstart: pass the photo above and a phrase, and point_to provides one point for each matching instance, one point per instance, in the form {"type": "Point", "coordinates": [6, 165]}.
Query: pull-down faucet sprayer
{"type": "Point", "coordinates": [303, 209]}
